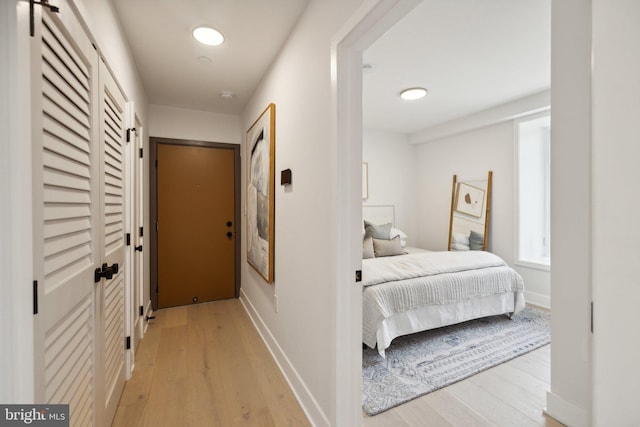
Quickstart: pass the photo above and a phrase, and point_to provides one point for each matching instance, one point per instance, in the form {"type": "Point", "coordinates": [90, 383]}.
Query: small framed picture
{"type": "Point", "coordinates": [470, 200]}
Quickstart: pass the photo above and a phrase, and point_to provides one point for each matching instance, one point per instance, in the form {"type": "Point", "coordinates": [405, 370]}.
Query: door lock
{"type": "Point", "coordinates": [229, 234]}
{"type": "Point", "coordinates": [138, 248]}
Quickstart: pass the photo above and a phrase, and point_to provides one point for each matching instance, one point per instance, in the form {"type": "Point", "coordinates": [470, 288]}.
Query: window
{"type": "Point", "coordinates": [533, 192]}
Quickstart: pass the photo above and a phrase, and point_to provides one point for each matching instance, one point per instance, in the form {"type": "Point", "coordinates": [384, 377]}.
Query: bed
{"type": "Point", "coordinates": [410, 290]}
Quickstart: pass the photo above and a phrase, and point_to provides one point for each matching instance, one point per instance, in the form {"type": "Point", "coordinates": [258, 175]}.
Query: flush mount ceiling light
{"type": "Point", "coordinates": [226, 95]}
{"type": "Point", "coordinates": [413, 93]}
{"type": "Point", "coordinates": [208, 36]}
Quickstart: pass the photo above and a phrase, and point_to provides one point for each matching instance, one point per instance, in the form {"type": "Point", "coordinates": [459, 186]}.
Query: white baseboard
{"type": "Point", "coordinates": [309, 405]}
{"type": "Point", "coordinates": [565, 412]}
{"type": "Point", "coordinates": [540, 300]}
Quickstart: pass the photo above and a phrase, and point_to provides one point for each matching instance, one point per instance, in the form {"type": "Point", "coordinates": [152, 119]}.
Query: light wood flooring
{"type": "Point", "coordinates": [206, 365]}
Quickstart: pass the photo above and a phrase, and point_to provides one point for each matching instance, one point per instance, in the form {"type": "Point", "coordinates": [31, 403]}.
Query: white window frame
{"type": "Point", "coordinates": [542, 263]}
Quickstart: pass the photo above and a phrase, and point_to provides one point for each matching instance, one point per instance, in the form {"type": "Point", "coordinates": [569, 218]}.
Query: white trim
{"type": "Point", "coordinates": [309, 405]}
{"type": "Point", "coordinates": [565, 412]}
{"type": "Point", "coordinates": [367, 24]}
{"type": "Point", "coordinates": [537, 299]}
{"type": "Point", "coordinates": [532, 263]}
{"type": "Point", "coordinates": [520, 261]}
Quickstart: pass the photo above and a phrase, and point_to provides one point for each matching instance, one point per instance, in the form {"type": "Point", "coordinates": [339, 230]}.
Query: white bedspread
{"type": "Point", "coordinates": [395, 286]}
{"type": "Point", "coordinates": [393, 268]}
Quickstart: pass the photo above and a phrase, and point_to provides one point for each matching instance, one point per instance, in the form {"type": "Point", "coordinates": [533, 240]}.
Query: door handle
{"type": "Point", "coordinates": [229, 234]}
{"type": "Point", "coordinates": [229, 223]}
{"type": "Point", "coordinates": [138, 248]}
{"type": "Point", "coordinates": [106, 271]}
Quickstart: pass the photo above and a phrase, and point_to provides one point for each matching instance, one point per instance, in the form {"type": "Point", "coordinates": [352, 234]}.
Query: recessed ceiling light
{"type": "Point", "coordinates": [413, 93]}
{"type": "Point", "coordinates": [208, 36]}
{"type": "Point", "coordinates": [225, 94]}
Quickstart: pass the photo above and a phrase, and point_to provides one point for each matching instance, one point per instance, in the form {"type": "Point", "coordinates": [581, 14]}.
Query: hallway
{"type": "Point", "coordinates": [206, 365]}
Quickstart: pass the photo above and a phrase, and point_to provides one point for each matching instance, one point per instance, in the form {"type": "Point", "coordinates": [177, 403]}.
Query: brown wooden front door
{"type": "Point", "coordinates": [196, 229]}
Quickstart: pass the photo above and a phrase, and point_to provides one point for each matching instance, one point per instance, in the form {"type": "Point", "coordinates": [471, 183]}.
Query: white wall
{"type": "Point", "coordinates": [392, 177]}
{"type": "Point", "coordinates": [302, 334]}
{"type": "Point", "coordinates": [569, 399]}
{"type": "Point", "coordinates": [616, 240]}
{"type": "Point", "coordinates": [181, 123]}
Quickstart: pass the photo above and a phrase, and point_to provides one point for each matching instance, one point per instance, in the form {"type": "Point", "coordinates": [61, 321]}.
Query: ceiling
{"type": "Point", "coordinates": [470, 55]}
{"type": "Point", "coordinates": [170, 61]}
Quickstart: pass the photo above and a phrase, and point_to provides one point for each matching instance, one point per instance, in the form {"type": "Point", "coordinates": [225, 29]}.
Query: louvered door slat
{"type": "Point", "coordinates": [55, 95]}
{"type": "Point", "coordinates": [55, 133]}
{"type": "Point", "coordinates": [58, 114]}
{"type": "Point", "coordinates": [73, 59]}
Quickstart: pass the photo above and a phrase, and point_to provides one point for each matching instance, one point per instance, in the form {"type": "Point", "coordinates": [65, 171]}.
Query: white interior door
{"type": "Point", "coordinates": [66, 214]}
{"type": "Point", "coordinates": [111, 290]}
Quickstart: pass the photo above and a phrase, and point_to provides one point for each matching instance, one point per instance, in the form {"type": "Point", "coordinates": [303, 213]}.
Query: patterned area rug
{"type": "Point", "coordinates": [424, 362]}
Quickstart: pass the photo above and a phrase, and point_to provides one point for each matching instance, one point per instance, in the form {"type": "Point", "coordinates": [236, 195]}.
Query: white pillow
{"type": "Point", "coordinates": [459, 238]}
{"type": "Point", "coordinates": [397, 232]}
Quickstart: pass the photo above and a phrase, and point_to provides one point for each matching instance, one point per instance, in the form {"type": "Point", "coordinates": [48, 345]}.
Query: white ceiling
{"type": "Point", "coordinates": [166, 55]}
{"type": "Point", "coordinates": [470, 54]}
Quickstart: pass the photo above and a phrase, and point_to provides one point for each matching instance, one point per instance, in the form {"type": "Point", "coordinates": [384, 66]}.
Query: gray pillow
{"type": "Point", "coordinates": [385, 247]}
{"type": "Point", "coordinates": [476, 240]}
{"type": "Point", "coordinates": [367, 248]}
{"type": "Point", "coordinates": [381, 231]}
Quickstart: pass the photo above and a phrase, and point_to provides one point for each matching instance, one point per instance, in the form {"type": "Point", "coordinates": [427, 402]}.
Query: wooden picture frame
{"type": "Point", "coordinates": [470, 200]}
{"type": "Point", "coordinates": [260, 201]}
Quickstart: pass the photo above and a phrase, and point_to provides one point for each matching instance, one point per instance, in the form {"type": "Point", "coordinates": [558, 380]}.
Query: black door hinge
{"type": "Point", "coordinates": [141, 153]}
{"type": "Point", "coordinates": [35, 297]}
{"type": "Point", "coordinates": [141, 310]}
{"type": "Point", "coordinates": [141, 231]}
{"type": "Point", "coordinates": [43, 3]}
{"type": "Point", "coordinates": [127, 343]}
{"type": "Point", "coordinates": [358, 275]}
{"type": "Point", "coordinates": [128, 239]}
{"type": "Point", "coordinates": [129, 134]}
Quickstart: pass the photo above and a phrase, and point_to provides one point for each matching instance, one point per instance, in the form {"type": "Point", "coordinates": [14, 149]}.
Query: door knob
{"type": "Point", "coordinates": [229, 234]}
{"type": "Point", "coordinates": [229, 223]}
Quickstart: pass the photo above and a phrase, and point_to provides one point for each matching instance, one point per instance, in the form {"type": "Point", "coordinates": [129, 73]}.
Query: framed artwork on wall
{"type": "Point", "coordinates": [470, 200]}
{"type": "Point", "coordinates": [261, 143]}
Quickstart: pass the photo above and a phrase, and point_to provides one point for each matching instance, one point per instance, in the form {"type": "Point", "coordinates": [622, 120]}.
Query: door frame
{"type": "Point", "coordinates": [153, 206]}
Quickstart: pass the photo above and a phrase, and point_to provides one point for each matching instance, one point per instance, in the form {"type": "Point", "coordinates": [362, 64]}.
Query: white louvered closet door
{"type": "Point", "coordinates": [66, 214]}
{"type": "Point", "coordinates": [78, 181]}
{"type": "Point", "coordinates": [111, 294]}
